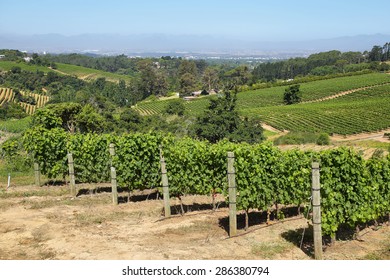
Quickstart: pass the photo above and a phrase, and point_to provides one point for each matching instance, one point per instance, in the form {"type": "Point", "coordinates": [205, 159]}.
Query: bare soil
{"type": "Point", "coordinates": [46, 223]}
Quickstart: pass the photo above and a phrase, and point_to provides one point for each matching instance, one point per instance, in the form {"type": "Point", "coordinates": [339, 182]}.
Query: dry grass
{"type": "Point", "coordinates": [270, 250]}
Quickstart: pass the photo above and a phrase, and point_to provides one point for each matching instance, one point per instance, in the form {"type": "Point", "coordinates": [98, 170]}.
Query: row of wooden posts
{"type": "Point", "coordinates": [231, 177]}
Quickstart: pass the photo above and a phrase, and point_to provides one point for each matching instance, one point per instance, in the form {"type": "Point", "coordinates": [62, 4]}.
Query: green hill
{"type": "Point", "coordinates": [66, 69]}
{"type": "Point", "coordinates": [364, 107]}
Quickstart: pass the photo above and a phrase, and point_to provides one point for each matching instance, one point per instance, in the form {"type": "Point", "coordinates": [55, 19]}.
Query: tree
{"type": "Point", "coordinates": [188, 66]}
{"type": "Point", "coordinates": [210, 79]}
{"type": "Point", "coordinates": [151, 80]}
{"type": "Point", "coordinates": [131, 119]}
{"type": "Point", "coordinates": [239, 75]}
{"type": "Point", "coordinates": [375, 54]}
{"type": "Point", "coordinates": [292, 95]}
{"type": "Point", "coordinates": [175, 108]}
{"type": "Point", "coordinates": [187, 77]}
{"type": "Point", "coordinates": [221, 121]}
{"type": "Point", "coordinates": [68, 113]}
{"type": "Point", "coordinates": [187, 84]}
{"type": "Point", "coordinates": [88, 120]}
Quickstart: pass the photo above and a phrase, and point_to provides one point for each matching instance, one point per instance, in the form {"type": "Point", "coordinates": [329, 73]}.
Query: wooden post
{"type": "Point", "coordinates": [164, 181]}
{"type": "Point", "coordinates": [316, 202]}
{"type": "Point", "coordinates": [114, 187]}
{"type": "Point", "coordinates": [37, 173]}
{"type": "Point", "coordinates": [112, 152]}
{"type": "Point", "coordinates": [231, 173]}
{"type": "Point", "coordinates": [72, 180]}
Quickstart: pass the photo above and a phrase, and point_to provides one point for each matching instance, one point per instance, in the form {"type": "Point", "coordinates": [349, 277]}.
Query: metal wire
{"type": "Point", "coordinates": [307, 215]}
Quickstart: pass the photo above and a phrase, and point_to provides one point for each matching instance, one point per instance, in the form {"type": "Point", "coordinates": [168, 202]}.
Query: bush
{"type": "Point", "coordinates": [323, 139]}
{"type": "Point", "coordinates": [11, 110]}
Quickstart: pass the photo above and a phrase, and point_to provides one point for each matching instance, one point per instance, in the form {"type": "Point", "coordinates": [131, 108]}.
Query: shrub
{"type": "Point", "coordinates": [323, 139]}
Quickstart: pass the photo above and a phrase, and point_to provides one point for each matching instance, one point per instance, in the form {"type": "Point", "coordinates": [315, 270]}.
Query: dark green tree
{"type": "Point", "coordinates": [130, 119]}
{"type": "Point", "coordinates": [292, 95]}
{"type": "Point", "coordinates": [175, 108]}
{"type": "Point", "coordinates": [221, 121]}
{"type": "Point", "coordinates": [375, 54]}
{"type": "Point", "coordinates": [187, 84]}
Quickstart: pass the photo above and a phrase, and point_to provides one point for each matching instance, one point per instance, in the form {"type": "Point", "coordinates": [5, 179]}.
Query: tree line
{"type": "Point", "coordinates": [324, 63]}
{"type": "Point", "coordinates": [167, 75]}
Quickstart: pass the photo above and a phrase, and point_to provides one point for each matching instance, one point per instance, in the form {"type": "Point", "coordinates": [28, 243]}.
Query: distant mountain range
{"type": "Point", "coordinates": [161, 43]}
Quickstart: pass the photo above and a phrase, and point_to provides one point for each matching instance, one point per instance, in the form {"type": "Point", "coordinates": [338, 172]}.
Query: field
{"type": "Point", "coordinates": [46, 223]}
{"type": "Point", "coordinates": [7, 65]}
{"type": "Point", "coordinates": [361, 111]}
{"type": "Point", "coordinates": [90, 74]}
{"type": "Point", "coordinates": [66, 69]}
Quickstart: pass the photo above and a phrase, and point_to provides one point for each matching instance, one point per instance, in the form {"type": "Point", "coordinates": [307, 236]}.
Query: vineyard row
{"type": "Point", "coordinates": [7, 95]}
{"type": "Point", "coordinates": [353, 190]}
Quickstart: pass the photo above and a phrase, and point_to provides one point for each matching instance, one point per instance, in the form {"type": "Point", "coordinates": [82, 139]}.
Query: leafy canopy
{"type": "Point", "coordinates": [221, 121]}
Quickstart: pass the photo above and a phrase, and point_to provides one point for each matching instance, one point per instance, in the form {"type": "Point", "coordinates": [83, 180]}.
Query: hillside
{"type": "Point", "coordinates": [66, 69]}
{"type": "Point", "coordinates": [344, 105]}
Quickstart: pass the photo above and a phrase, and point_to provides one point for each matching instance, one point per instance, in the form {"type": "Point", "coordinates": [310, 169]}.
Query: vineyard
{"type": "Point", "coordinates": [362, 107]}
{"type": "Point", "coordinates": [353, 190]}
{"type": "Point", "coordinates": [361, 111]}
{"type": "Point", "coordinates": [7, 95]}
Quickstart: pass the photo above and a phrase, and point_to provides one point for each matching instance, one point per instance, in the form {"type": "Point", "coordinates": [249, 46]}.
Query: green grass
{"type": "Point", "coordinates": [270, 250]}
{"type": "Point", "coordinates": [18, 178]}
{"type": "Point", "coordinates": [90, 74]}
{"type": "Point", "coordinates": [15, 126]}
{"type": "Point", "coordinates": [268, 133]}
{"type": "Point", "coordinates": [7, 65]}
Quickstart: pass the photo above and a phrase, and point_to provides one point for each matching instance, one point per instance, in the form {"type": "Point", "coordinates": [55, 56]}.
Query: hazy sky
{"type": "Point", "coordinates": [274, 20]}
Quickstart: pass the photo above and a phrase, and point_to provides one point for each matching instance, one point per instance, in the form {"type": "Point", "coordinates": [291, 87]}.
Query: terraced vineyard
{"type": "Point", "coordinates": [7, 95]}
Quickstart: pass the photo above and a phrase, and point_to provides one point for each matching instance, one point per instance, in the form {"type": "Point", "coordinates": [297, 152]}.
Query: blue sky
{"type": "Point", "coordinates": [246, 19]}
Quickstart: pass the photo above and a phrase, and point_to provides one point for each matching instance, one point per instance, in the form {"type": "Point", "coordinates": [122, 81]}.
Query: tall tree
{"type": "Point", "coordinates": [210, 79]}
{"type": "Point", "coordinates": [375, 54]}
{"type": "Point", "coordinates": [221, 121]}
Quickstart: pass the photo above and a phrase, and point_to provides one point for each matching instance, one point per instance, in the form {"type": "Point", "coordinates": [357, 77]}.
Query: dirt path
{"type": "Point", "coordinates": [377, 136]}
{"type": "Point", "coordinates": [51, 225]}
